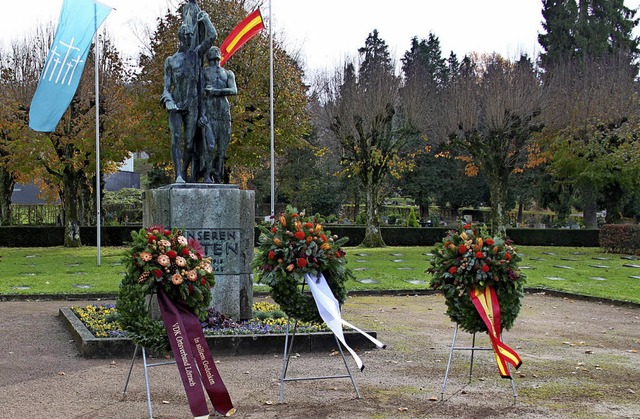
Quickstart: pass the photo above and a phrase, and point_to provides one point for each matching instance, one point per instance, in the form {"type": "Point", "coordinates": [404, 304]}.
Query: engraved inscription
{"type": "Point", "coordinates": [221, 245]}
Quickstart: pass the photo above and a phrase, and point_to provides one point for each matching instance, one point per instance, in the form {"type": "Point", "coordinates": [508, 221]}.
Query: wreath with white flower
{"type": "Point", "coordinates": [470, 258]}
{"type": "Point", "coordinates": [161, 259]}
{"type": "Point", "coordinates": [294, 246]}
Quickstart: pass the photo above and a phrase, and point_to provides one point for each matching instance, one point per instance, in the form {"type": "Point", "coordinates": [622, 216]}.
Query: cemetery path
{"type": "Point", "coordinates": [580, 359]}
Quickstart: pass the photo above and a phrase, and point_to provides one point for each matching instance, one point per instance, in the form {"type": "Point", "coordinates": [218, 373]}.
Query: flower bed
{"type": "Point", "coordinates": [102, 321]}
{"type": "Point", "coordinates": [262, 336]}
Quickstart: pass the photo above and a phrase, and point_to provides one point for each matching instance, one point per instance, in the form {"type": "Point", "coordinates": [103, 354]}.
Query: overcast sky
{"type": "Point", "coordinates": [326, 31]}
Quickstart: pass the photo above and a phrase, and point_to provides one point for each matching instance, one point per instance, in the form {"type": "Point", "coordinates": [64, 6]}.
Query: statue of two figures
{"type": "Point", "coordinates": [195, 95]}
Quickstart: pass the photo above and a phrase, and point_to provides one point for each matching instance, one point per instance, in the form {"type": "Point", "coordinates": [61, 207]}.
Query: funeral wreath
{"type": "Point", "coordinates": [161, 259]}
{"type": "Point", "coordinates": [293, 246]}
{"type": "Point", "coordinates": [468, 259]}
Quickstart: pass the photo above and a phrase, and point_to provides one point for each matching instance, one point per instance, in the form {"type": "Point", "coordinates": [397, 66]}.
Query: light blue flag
{"type": "Point", "coordinates": [79, 20]}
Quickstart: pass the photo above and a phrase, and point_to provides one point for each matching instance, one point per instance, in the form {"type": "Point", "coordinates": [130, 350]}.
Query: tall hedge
{"type": "Point", "coordinates": [620, 238]}
{"type": "Point", "coordinates": [43, 236]}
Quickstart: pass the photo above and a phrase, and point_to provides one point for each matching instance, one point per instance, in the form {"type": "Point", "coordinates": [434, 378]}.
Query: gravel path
{"type": "Point", "coordinates": [580, 360]}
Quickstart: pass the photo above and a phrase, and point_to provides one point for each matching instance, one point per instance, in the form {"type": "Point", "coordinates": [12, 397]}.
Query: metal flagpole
{"type": "Point", "coordinates": [273, 159]}
{"type": "Point", "coordinates": [97, 86]}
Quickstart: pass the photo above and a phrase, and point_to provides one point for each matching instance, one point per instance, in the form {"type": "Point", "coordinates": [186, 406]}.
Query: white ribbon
{"type": "Point", "coordinates": [329, 310]}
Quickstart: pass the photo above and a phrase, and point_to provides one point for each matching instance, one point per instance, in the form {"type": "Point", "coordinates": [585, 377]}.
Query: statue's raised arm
{"type": "Point", "coordinates": [210, 34]}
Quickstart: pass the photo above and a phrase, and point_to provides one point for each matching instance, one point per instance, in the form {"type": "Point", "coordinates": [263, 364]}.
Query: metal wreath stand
{"type": "Point", "coordinates": [146, 366]}
{"type": "Point", "coordinates": [471, 348]}
{"type": "Point", "coordinates": [288, 347]}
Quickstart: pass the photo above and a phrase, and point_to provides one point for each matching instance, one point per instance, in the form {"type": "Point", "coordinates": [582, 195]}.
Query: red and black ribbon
{"type": "Point", "coordinates": [193, 357]}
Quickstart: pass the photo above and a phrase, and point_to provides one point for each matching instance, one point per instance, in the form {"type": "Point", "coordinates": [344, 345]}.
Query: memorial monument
{"type": "Point", "coordinates": [220, 216]}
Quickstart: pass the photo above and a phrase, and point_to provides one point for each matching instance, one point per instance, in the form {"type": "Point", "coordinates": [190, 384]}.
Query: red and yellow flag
{"type": "Point", "coordinates": [239, 36]}
{"type": "Point", "coordinates": [486, 302]}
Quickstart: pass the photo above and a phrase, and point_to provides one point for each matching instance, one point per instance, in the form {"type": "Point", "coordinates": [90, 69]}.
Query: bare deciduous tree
{"type": "Point", "coordinates": [359, 109]}
{"type": "Point", "coordinates": [489, 113]}
{"type": "Point", "coordinates": [591, 116]}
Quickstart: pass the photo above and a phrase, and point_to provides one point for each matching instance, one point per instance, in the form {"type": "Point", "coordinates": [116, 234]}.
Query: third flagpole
{"type": "Point", "coordinates": [273, 159]}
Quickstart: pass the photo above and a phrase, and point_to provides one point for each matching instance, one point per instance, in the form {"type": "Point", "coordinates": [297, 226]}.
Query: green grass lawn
{"type": "Point", "coordinates": [585, 271]}
{"type": "Point", "coordinates": [578, 270]}
{"type": "Point", "coordinates": [60, 270]}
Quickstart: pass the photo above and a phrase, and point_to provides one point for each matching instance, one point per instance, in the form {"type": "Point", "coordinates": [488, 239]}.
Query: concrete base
{"type": "Point", "coordinates": [221, 218]}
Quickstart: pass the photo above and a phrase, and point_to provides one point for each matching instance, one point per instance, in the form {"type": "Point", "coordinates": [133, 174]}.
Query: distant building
{"type": "Point", "coordinates": [120, 180]}
{"type": "Point", "coordinates": [123, 178]}
{"type": "Point", "coordinates": [26, 195]}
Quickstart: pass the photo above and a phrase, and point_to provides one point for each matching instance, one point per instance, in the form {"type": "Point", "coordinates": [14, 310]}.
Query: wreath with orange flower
{"type": "Point", "coordinates": [470, 258]}
{"type": "Point", "coordinates": [161, 259]}
{"type": "Point", "coordinates": [293, 246]}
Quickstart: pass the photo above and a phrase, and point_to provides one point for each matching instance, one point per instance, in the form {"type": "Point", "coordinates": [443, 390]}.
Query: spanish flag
{"type": "Point", "coordinates": [244, 31]}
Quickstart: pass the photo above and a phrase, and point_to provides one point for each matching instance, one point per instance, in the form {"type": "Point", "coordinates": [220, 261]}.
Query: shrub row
{"type": "Point", "coordinates": [407, 236]}
{"type": "Point", "coordinates": [47, 236]}
{"type": "Point", "coordinates": [620, 238]}
{"type": "Point", "coordinates": [26, 236]}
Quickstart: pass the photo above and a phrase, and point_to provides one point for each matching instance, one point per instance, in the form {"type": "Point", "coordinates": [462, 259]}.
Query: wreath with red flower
{"type": "Point", "coordinates": [294, 246]}
{"type": "Point", "coordinates": [161, 259]}
{"type": "Point", "coordinates": [470, 258]}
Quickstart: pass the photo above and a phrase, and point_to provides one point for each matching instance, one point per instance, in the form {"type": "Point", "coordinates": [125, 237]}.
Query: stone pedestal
{"type": "Point", "coordinates": [221, 218]}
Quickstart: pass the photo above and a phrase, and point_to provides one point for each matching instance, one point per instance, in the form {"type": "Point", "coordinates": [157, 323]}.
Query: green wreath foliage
{"type": "Point", "coordinates": [467, 259]}
{"type": "Point", "coordinates": [133, 315]}
{"type": "Point", "coordinates": [294, 246]}
{"type": "Point", "coordinates": [288, 292]}
{"type": "Point", "coordinates": [161, 259]}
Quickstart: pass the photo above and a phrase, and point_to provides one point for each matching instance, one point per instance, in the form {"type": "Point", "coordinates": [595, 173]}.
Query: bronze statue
{"type": "Point", "coordinates": [216, 119]}
{"type": "Point", "coordinates": [182, 93]}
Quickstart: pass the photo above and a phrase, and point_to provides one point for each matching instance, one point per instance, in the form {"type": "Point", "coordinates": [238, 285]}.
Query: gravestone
{"type": "Point", "coordinates": [221, 218]}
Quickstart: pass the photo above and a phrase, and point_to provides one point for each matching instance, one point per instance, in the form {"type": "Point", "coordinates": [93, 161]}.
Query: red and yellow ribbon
{"type": "Point", "coordinates": [486, 302]}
